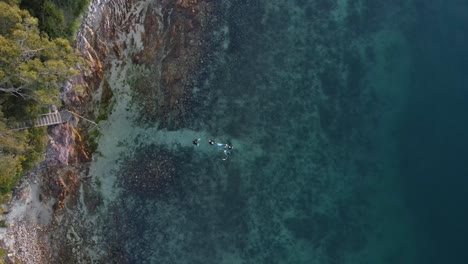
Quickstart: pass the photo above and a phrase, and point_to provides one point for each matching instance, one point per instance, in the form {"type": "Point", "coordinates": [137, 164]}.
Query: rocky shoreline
{"type": "Point", "coordinates": [48, 216]}
{"type": "Point", "coordinates": [41, 202]}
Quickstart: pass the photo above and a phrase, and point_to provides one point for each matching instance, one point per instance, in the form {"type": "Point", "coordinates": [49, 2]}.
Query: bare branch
{"type": "Point", "coordinates": [22, 41]}
{"type": "Point", "coordinates": [14, 91]}
{"type": "Point", "coordinates": [10, 90]}
{"type": "Point", "coordinates": [28, 54]}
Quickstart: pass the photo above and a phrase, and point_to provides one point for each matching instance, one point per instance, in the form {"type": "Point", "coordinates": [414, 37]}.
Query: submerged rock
{"type": "Point", "coordinates": [151, 171]}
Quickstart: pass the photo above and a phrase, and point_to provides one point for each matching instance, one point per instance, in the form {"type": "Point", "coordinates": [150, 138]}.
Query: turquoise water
{"type": "Point", "coordinates": [348, 128]}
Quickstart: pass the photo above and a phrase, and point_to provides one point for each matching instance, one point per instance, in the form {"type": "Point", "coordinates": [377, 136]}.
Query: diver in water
{"type": "Point", "coordinates": [196, 141]}
{"type": "Point", "coordinates": [225, 147]}
{"type": "Point", "coordinates": [225, 155]}
{"type": "Point", "coordinates": [227, 150]}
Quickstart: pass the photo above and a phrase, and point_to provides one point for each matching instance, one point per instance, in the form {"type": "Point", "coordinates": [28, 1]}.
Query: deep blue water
{"type": "Point", "coordinates": [432, 134]}
{"type": "Point", "coordinates": [298, 87]}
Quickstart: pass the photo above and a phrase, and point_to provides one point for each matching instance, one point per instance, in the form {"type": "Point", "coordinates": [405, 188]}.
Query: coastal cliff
{"type": "Point", "coordinates": [48, 216]}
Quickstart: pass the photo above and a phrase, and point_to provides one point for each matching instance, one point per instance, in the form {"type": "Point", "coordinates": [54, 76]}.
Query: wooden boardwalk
{"type": "Point", "coordinates": [49, 119]}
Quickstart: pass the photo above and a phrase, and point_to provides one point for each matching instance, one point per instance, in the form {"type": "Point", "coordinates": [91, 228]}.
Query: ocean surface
{"type": "Point", "coordinates": [348, 121]}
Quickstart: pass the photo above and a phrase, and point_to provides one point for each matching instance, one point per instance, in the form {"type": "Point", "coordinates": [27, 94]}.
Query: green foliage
{"type": "Point", "coordinates": [5, 199]}
{"type": "Point", "coordinates": [92, 140]}
{"type": "Point", "coordinates": [106, 104]}
{"type": "Point", "coordinates": [33, 67]}
{"type": "Point", "coordinates": [11, 147]}
{"type": "Point", "coordinates": [11, 142]}
{"type": "Point", "coordinates": [73, 27]}
{"type": "Point", "coordinates": [37, 142]}
{"type": "Point", "coordinates": [73, 7]}
{"type": "Point", "coordinates": [3, 253]}
{"type": "Point", "coordinates": [19, 150]}
{"type": "Point", "coordinates": [58, 18]}
{"type": "Point", "coordinates": [11, 2]}
{"type": "Point", "coordinates": [9, 171]}
{"type": "Point", "coordinates": [53, 21]}
{"type": "Point", "coordinates": [9, 17]}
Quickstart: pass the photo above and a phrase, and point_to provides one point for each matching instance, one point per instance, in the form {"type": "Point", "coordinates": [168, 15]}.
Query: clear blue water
{"type": "Point", "coordinates": [349, 129]}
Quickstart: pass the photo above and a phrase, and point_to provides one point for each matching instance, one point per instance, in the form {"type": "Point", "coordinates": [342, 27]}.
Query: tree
{"type": "Point", "coordinates": [8, 172]}
{"type": "Point", "coordinates": [11, 2]}
{"type": "Point", "coordinates": [32, 69]}
{"type": "Point", "coordinates": [31, 65]}
{"type": "Point", "coordinates": [53, 21]}
{"type": "Point", "coordinates": [11, 149]}
{"type": "Point", "coordinates": [11, 141]}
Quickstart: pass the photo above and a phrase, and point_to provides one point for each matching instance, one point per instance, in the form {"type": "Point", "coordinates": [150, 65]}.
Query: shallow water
{"type": "Point", "coordinates": [334, 110]}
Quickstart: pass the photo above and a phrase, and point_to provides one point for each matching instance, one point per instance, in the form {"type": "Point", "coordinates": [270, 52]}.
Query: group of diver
{"type": "Point", "coordinates": [225, 147]}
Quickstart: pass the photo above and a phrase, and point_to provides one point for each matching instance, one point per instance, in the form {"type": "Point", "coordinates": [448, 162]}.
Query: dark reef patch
{"type": "Point", "coordinates": [150, 171]}
{"type": "Point", "coordinates": [313, 229]}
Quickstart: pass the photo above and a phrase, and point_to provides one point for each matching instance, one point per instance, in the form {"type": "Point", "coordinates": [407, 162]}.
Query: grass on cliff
{"type": "Point", "coordinates": [3, 254]}
{"type": "Point", "coordinates": [106, 103]}
{"type": "Point", "coordinates": [91, 138]}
